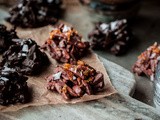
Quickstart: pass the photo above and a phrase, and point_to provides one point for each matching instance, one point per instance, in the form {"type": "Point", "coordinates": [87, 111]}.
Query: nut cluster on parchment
{"type": "Point", "coordinates": [147, 61]}
{"type": "Point", "coordinates": [65, 44]}
{"type": "Point", "coordinates": [13, 86]}
{"type": "Point", "coordinates": [72, 81]}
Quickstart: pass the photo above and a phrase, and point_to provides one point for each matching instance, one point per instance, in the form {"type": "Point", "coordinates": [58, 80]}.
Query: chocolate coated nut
{"type": "Point", "coordinates": [115, 36]}
{"type": "Point", "coordinates": [35, 13]}
{"type": "Point", "coordinates": [65, 45]}
{"type": "Point", "coordinates": [25, 56]}
{"type": "Point", "coordinates": [13, 87]}
{"type": "Point", "coordinates": [72, 81]}
{"type": "Point", "coordinates": [147, 61]}
{"type": "Point", "coordinates": [6, 37]}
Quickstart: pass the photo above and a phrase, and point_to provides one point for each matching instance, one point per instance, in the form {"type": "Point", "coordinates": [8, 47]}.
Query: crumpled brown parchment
{"type": "Point", "coordinates": [37, 84]}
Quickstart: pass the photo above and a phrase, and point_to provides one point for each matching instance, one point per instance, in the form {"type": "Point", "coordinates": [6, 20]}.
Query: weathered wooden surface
{"type": "Point", "coordinates": [122, 79]}
{"type": "Point", "coordinates": [121, 108]}
{"type": "Point", "coordinates": [116, 107]}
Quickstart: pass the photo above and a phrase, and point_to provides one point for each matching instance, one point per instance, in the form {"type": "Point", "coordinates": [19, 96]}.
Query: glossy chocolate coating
{"type": "Point", "coordinates": [25, 56]}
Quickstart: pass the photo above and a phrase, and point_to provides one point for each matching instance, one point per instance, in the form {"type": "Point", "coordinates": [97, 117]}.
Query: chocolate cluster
{"type": "Point", "coordinates": [35, 13]}
{"type": "Point", "coordinates": [73, 81]}
{"type": "Point", "coordinates": [147, 61]}
{"type": "Point", "coordinates": [25, 56]}
{"type": "Point", "coordinates": [65, 45]}
{"type": "Point", "coordinates": [13, 87]}
{"type": "Point", "coordinates": [115, 36]}
{"type": "Point", "coordinates": [6, 37]}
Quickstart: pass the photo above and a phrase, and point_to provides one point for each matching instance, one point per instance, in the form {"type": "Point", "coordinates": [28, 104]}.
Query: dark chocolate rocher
{"type": "Point", "coordinates": [35, 13]}
{"type": "Point", "coordinates": [6, 37]}
{"type": "Point", "coordinates": [115, 36]}
{"type": "Point", "coordinates": [25, 56]}
{"type": "Point", "coordinates": [13, 87]}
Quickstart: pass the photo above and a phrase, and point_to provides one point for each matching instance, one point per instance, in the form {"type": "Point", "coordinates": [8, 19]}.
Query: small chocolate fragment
{"type": "Point", "coordinates": [25, 56]}
{"type": "Point", "coordinates": [115, 36]}
{"type": "Point", "coordinates": [6, 37]}
{"type": "Point", "coordinates": [13, 87]}
{"type": "Point", "coordinates": [35, 13]}
{"type": "Point", "coordinates": [65, 45]}
{"type": "Point", "coordinates": [147, 61]}
{"type": "Point", "coordinates": [72, 81]}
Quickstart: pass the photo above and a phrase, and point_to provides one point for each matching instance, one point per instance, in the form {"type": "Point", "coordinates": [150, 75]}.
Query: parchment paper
{"type": "Point", "coordinates": [37, 84]}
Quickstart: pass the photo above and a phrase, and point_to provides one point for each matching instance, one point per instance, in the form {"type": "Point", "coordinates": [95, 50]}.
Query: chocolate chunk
{"type": "Point", "coordinates": [6, 37]}
{"type": "Point", "coordinates": [65, 45]}
{"type": "Point", "coordinates": [115, 36]}
{"type": "Point", "coordinates": [13, 87]}
{"type": "Point", "coordinates": [72, 81]}
{"type": "Point", "coordinates": [147, 61]}
{"type": "Point", "coordinates": [25, 56]}
{"type": "Point", "coordinates": [35, 13]}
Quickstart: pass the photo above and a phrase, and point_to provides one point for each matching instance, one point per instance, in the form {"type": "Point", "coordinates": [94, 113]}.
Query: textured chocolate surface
{"type": "Point", "coordinates": [13, 87]}
{"type": "Point", "coordinates": [73, 81]}
{"type": "Point", "coordinates": [147, 61]}
{"type": "Point", "coordinates": [65, 44]}
{"type": "Point", "coordinates": [35, 13]}
{"type": "Point", "coordinates": [25, 56]}
{"type": "Point", "coordinates": [115, 36]}
{"type": "Point", "coordinates": [6, 37]}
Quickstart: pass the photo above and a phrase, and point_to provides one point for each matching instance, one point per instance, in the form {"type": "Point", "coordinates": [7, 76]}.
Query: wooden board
{"type": "Point", "coordinates": [116, 107]}
{"type": "Point", "coordinates": [123, 82]}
